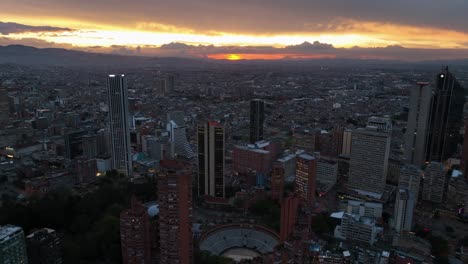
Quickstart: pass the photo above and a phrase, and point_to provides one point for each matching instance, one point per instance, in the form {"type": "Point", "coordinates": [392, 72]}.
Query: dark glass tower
{"type": "Point", "coordinates": [445, 118]}
{"type": "Point", "coordinates": [211, 151]}
{"type": "Point", "coordinates": [257, 116]}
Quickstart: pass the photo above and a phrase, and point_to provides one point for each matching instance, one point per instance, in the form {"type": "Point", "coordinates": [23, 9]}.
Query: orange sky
{"type": "Point", "coordinates": [100, 25]}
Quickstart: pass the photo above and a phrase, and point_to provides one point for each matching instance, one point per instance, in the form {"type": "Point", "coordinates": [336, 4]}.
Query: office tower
{"type": "Point", "coordinates": [337, 141]}
{"type": "Point", "coordinates": [135, 240]}
{"type": "Point", "coordinates": [289, 210]}
{"type": "Point", "coordinates": [178, 139]}
{"type": "Point", "coordinates": [103, 142]}
{"type": "Point", "coordinates": [410, 179]}
{"type": "Point", "coordinates": [119, 124]}
{"type": "Point", "coordinates": [74, 143]}
{"type": "Point", "coordinates": [277, 182]}
{"type": "Point", "coordinates": [86, 169]}
{"type": "Point", "coordinates": [434, 182]}
{"type": "Point", "coordinates": [327, 171]}
{"type": "Point", "coordinates": [404, 209]}
{"type": "Point", "coordinates": [416, 130]}
{"type": "Point", "coordinates": [464, 160]}
{"type": "Point", "coordinates": [306, 171]}
{"type": "Point", "coordinates": [169, 84]}
{"type": "Point", "coordinates": [4, 107]}
{"type": "Point", "coordinates": [12, 245]}
{"type": "Point", "coordinates": [346, 149]}
{"type": "Point", "coordinates": [303, 139]}
{"type": "Point", "coordinates": [44, 247]}
{"type": "Point", "coordinates": [370, 149]}
{"type": "Point", "coordinates": [211, 151]}
{"type": "Point", "coordinates": [257, 116]}
{"type": "Point", "coordinates": [89, 143]}
{"type": "Point", "coordinates": [445, 118]}
{"type": "Point", "coordinates": [175, 212]}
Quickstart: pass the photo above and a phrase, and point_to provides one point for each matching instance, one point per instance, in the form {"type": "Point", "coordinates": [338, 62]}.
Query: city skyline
{"type": "Point", "coordinates": [234, 31]}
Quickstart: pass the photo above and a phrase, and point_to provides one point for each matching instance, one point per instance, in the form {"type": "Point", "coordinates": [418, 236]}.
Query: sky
{"type": "Point", "coordinates": [240, 29]}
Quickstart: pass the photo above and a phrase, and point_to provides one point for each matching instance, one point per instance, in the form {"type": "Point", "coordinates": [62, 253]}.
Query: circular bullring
{"type": "Point", "coordinates": [239, 241]}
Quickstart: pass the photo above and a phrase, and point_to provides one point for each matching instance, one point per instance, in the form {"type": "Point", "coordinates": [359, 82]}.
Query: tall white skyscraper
{"type": "Point", "coordinates": [370, 149]}
{"type": "Point", "coordinates": [119, 126]}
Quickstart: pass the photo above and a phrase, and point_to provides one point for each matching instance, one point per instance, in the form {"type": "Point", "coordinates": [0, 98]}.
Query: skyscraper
{"type": "Point", "coordinates": [211, 151]}
{"type": "Point", "coordinates": [306, 173]}
{"type": "Point", "coordinates": [12, 245]}
{"type": "Point", "coordinates": [175, 212]}
{"type": "Point", "coordinates": [404, 209]}
{"type": "Point", "coordinates": [277, 181]}
{"type": "Point", "coordinates": [445, 118]}
{"type": "Point", "coordinates": [464, 160]}
{"type": "Point", "coordinates": [135, 237]}
{"type": "Point", "coordinates": [410, 179]}
{"type": "Point", "coordinates": [434, 182]}
{"type": "Point", "coordinates": [370, 149]}
{"type": "Point", "coordinates": [416, 130]}
{"type": "Point", "coordinates": [4, 107]}
{"type": "Point", "coordinates": [44, 247]}
{"type": "Point", "coordinates": [257, 116]}
{"type": "Point", "coordinates": [119, 124]}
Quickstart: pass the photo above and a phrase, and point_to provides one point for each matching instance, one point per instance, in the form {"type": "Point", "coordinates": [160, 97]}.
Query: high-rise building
{"type": "Point", "coordinates": [327, 171]}
{"type": "Point", "coordinates": [445, 118]}
{"type": "Point", "coordinates": [464, 160]}
{"type": "Point", "coordinates": [303, 139]}
{"type": "Point", "coordinates": [277, 181]}
{"type": "Point", "coordinates": [416, 130]}
{"type": "Point", "coordinates": [175, 212]}
{"type": "Point", "coordinates": [306, 173]}
{"type": "Point", "coordinates": [135, 237]}
{"type": "Point", "coordinates": [12, 245]}
{"type": "Point", "coordinates": [358, 228]}
{"type": "Point", "coordinates": [119, 126]}
{"type": "Point", "coordinates": [410, 179]}
{"type": "Point", "coordinates": [346, 149]}
{"type": "Point", "coordinates": [44, 247]}
{"type": "Point", "coordinates": [404, 209]}
{"type": "Point", "coordinates": [74, 143]}
{"type": "Point", "coordinates": [178, 139]}
{"type": "Point", "coordinates": [258, 157]}
{"type": "Point", "coordinates": [86, 169]}
{"type": "Point", "coordinates": [169, 84]}
{"type": "Point", "coordinates": [370, 150]}
{"type": "Point", "coordinates": [4, 107]}
{"type": "Point", "coordinates": [289, 210]}
{"type": "Point", "coordinates": [257, 116]}
{"type": "Point", "coordinates": [434, 182]}
{"type": "Point", "coordinates": [211, 151]}
{"type": "Point", "coordinates": [89, 143]}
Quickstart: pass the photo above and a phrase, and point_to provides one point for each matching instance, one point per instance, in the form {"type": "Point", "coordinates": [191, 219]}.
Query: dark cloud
{"type": "Point", "coordinates": [257, 16]}
{"type": "Point", "coordinates": [11, 28]}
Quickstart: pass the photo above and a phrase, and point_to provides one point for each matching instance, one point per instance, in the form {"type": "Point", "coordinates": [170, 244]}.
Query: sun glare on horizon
{"type": "Point", "coordinates": [233, 57]}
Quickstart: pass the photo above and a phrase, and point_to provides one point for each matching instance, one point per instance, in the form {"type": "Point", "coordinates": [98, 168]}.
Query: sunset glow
{"type": "Point", "coordinates": [205, 33]}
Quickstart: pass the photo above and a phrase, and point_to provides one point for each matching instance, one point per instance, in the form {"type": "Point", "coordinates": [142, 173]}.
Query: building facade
{"type": "Point", "coordinates": [257, 117]}
{"type": "Point", "coordinates": [370, 150]}
{"type": "Point", "coordinates": [445, 118]}
{"type": "Point", "coordinates": [175, 212]}
{"type": "Point", "coordinates": [416, 130]}
{"type": "Point", "coordinates": [304, 183]}
{"type": "Point", "coordinates": [12, 245]}
{"type": "Point", "coordinates": [434, 182]}
{"type": "Point", "coordinates": [211, 153]}
{"type": "Point", "coordinates": [119, 126]}
{"type": "Point", "coordinates": [404, 209]}
{"type": "Point", "coordinates": [410, 179]}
